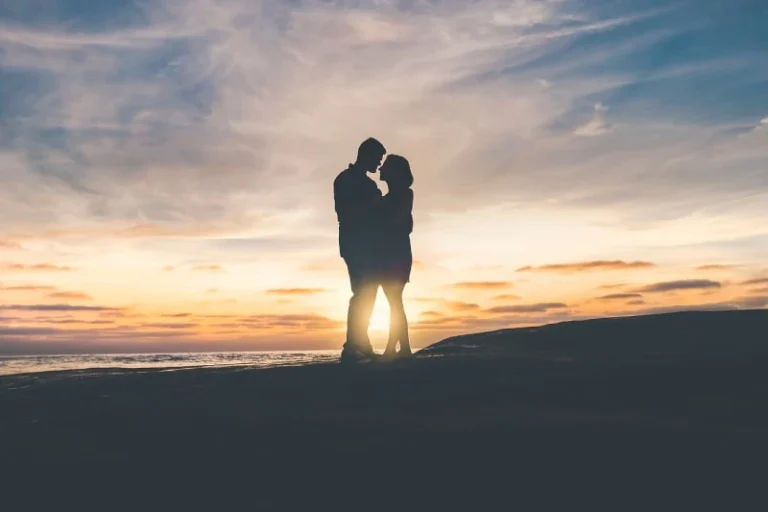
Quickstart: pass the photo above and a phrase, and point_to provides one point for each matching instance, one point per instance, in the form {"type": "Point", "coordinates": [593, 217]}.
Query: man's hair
{"type": "Point", "coordinates": [370, 146]}
{"type": "Point", "coordinates": [400, 171]}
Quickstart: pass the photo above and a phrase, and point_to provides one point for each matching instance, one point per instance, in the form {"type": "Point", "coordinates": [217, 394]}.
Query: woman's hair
{"type": "Point", "coordinates": [400, 175]}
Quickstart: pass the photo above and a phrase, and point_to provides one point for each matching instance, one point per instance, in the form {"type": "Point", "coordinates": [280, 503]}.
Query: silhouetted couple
{"type": "Point", "coordinates": [375, 242]}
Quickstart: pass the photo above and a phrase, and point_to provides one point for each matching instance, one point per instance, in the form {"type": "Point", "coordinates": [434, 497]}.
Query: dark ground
{"type": "Point", "coordinates": [576, 416]}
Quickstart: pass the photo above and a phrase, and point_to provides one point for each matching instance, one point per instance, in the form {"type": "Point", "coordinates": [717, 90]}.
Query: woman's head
{"type": "Point", "coordinates": [396, 172]}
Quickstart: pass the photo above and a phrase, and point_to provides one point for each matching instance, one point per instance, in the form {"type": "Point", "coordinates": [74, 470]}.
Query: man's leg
{"type": "Point", "coordinates": [361, 304]}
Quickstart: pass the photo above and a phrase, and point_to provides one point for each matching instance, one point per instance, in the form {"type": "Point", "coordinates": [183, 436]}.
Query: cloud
{"type": "Point", "coordinates": [54, 307]}
{"type": "Point", "coordinates": [295, 321]}
{"type": "Point", "coordinates": [757, 280]}
{"type": "Point", "coordinates": [588, 266]}
{"type": "Point", "coordinates": [27, 331]}
{"type": "Point", "coordinates": [507, 296]}
{"type": "Point", "coordinates": [9, 244]}
{"type": "Point", "coordinates": [37, 267]}
{"type": "Point", "coordinates": [208, 268]}
{"type": "Point", "coordinates": [461, 306]}
{"type": "Point", "coordinates": [751, 302]}
{"type": "Point", "coordinates": [435, 78]}
{"type": "Point", "coordinates": [637, 302]}
{"type": "Point", "coordinates": [715, 267]}
{"type": "Point", "coordinates": [675, 309]}
{"type": "Point", "coordinates": [611, 286]}
{"type": "Point", "coordinates": [70, 295]}
{"type": "Point", "coordinates": [168, 325]}
{"type": "Point", "coordinates": [597, 125]}
{"type": "Point", "coordinates": [527, 308]}
{"type": "Point", "coordinates": [136, 231]}
{"type": "Point", "coordinates": [686, 284]}
{"type": "Point", "coordinates": [69, 321]}
{"type": "Point", "coordinates": [481, 285]}
{"type": "Point", "coordinates": [28, 288]}
{"type": "Point", "coordinates": [296, 291]}
{"type": "Point", "coordinates": [620, 296]}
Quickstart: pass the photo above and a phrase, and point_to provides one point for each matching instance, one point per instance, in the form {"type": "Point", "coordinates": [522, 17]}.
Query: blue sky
{"type": "Point", "coordinates": [142, 136]}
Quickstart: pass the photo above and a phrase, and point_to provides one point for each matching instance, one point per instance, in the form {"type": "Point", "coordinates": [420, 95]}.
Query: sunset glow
{"type": "Point", "coordinates": [166, 166]}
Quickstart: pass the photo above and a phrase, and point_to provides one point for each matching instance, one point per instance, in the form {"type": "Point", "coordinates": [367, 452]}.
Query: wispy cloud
{"type": "Point", "coordinates": [36, 267]}
{"type": "Point", "coordinates": [481, 285]}
{"type": "Point", "coordinates": [597, 125]}
{"type": "Point", "coordinates": [54, 307]}
{"type": "Point", "coordinates": [620, 296]}
{"type": "Point", "coordinates": [686, 284]}
{"type": "Point", "coordinates": [296, 291]}
{"type": "Point", "coordinates": [528, 308]}
{"type": "Point", "coordinates": [28, 288]}
{"type": "Point", "coordinates": [70, 295]}
{"type": "Point", "coordinates": [757, 302]}
{"type": "Point", "coordinates": [715, 267]}
{"type": "Point", "coordinates": [757, 280]}
{"type": "Point", "coordinates": [170, 325]}
{"type": "Point", "coordinates": [461, 306]}
{"type": "Point", "coordinates": [589, 266]}
{"type": "Point", "coordinates": [507, 296]}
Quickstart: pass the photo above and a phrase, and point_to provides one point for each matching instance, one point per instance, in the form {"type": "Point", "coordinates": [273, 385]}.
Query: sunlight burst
{"type": "Point", "coordinates": [380, 316]}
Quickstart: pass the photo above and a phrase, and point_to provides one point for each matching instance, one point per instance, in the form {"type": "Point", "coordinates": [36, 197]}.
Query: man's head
{"type": "Point", "coordinates": [369, 155]}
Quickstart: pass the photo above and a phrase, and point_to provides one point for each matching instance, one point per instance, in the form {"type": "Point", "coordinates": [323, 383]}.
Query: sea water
{"type": "Point", "coordinates": [15, 365]}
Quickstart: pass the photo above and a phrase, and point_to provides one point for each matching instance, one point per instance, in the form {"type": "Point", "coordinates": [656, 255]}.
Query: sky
{"type": "Point", "coordinates": [166, 166]}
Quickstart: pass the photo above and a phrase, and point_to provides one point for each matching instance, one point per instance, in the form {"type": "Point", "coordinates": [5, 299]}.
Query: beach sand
{"type": "Point", "coordinates": [475, 423]}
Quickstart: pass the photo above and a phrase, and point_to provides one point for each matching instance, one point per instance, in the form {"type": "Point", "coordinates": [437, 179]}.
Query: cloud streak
{"type": "Point", "coordinates": [619, 296]}
{"type": "Point", "coordinates": [296, 291]}
{"type": "Point", "coordinates": [685, 284]}
{"type": "Point", "coordinates": [70, 296]}
{"type": "Point", "coordinates": [36, 267]}
{"type": "Point", "coordinates": [54, 307]}
{"type": "Point", "coordinates": [481, 285]}
{"type": "Point", "coordinates": [590, 266]}
{"type": "Point", "coordinates": [528, 308]}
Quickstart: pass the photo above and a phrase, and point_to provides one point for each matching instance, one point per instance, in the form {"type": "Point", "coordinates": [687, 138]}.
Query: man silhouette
{"type": "Point", "coordinates": [356, 198]}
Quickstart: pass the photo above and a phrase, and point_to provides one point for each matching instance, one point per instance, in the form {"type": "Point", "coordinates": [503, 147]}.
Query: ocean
{"type": "Point", "coordinates": [17, 365]}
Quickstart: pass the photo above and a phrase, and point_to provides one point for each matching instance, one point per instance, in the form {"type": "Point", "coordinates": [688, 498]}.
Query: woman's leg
{"type": "Point", "coordinates": [390, 290]}
{"type": "Point", "coordinates": [398, 322]}
{"type": "Point", "coordinates": [405, 340]}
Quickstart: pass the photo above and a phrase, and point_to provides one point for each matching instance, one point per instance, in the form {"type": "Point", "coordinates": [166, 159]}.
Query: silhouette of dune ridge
{"type": "Point", "coordinates": [694, 334]}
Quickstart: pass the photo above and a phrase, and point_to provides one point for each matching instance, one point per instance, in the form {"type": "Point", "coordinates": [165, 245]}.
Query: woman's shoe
{"type": "Point", "coordinates": [388, 355]}
{"type": "Point", "coordinates": [404, 353]}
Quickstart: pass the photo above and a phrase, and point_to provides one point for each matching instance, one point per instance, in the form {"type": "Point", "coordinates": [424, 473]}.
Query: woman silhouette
{"type": "Point", "coordinates": [397, 259]}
